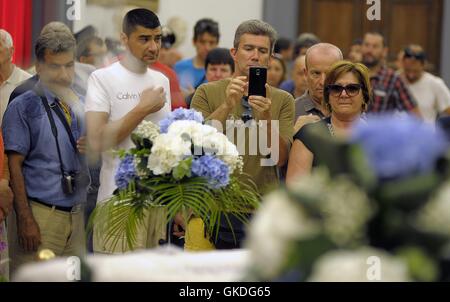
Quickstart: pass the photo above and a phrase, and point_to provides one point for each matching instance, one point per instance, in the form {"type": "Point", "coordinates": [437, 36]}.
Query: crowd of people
{"type": "Point", "coordinates": [87, 96]}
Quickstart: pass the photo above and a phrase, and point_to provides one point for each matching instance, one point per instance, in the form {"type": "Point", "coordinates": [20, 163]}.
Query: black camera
{"type": "Point", "coordinates": [69, 182]}
{"type": "Point", "coordinates": [247, 115]}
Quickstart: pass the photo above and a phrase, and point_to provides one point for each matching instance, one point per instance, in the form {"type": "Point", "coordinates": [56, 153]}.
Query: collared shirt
{"type": "Point", "coordinates": [16, 77]}
{"type": "Point", "coordinates": [288, 86]}
{"type": "Point", "coordinates": [305, 105]}
{"type": "Point", "coordinates": [390, 92]}
{"type": "Point", "coordinates": [27, 130]}
{"type": "Point", "coordinates": [211, 96]}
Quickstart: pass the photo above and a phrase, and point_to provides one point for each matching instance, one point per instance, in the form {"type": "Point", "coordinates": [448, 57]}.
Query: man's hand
{"type": "Point", "coordinates": [152, 99]}
{"type": "Point", "coordinates": [28, 233]}
{"type": "Point", "coordinates": [305, 119]}
{"type": "Point", "coordinates": [82, 145]}
{"type": "Point", "coordinates": [235, 91]}
{"type": "Point", "coordinates": [261, 105]}
{"type": "Point", "coordinates": [6, 199]}
{"type": "Point", "coordinates": [178, 225]}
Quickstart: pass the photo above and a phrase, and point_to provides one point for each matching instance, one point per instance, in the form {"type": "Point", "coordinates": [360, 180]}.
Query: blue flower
{"type": "Point", "coordinates": [126, 172]}
{"type": "Point", "coordinates": [180, 114]}
{"type": "Point", "coordinates": [213, 169]}
{"type": "Point", "coordinates": [399, 147]}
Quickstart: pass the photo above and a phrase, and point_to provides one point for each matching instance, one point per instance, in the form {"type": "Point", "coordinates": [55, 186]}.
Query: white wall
{"type": "Point", "coordinates": [229, 14]}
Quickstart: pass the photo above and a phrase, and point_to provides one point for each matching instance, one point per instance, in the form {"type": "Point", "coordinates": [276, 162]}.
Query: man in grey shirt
{"type": "Point", "coordinates": [308, 107]}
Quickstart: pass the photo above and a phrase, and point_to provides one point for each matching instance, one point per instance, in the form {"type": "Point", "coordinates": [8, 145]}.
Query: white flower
{"type": "Point", "coordinates": [167, 152]}
{"type": "Point", "coordinates": [344, 207]}
{"type": "Point", "coordinates": [193, 129]}
{"type": "Point", "coordinates": [208, 139]}
{"type": "Point", "coordinates": [434, 217]}
{"type": "Point", "coordinates": [277, 223]}
{"type": "Point", "coordinates": [147, 129]}
{"type": "Point", "coordinates": [362, 265]}
{"type": "Point", "coordinates": [346, 210]}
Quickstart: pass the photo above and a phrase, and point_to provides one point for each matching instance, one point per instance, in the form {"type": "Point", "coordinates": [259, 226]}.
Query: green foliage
{"type": "Point", "coordinates": [183, 169]}
{"type": "Point", "coordinates": [421, 266]}
{"type": "Point", "coordinates": [121, 216]}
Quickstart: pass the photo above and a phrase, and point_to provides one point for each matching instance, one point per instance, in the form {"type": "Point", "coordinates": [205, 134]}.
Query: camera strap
{"type": "Point", "coordinates": [53, 125]}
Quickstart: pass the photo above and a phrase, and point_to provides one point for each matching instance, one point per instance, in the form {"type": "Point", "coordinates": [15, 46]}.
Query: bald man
{"type": "Point", "coordinates": [318, 59]}
{"type": "Point", "coordinates": [10, 75]}
{"type": "Point", "coordinates": [297, 85]}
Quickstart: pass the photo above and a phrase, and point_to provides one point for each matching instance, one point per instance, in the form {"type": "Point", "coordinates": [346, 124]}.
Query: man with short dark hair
{"type": "Point", "coordinates": [43, 134]}
{"type": "Point", "coordinates": [92, 50]}
{"type": "Point", "coordinates": [389, 90]}
{"type": "Point", "coordinates": [191, 72]}
{"type": "Point", "coordinates": [219, 65]}
{"type": "Point", "coordinates": [120, 97]}
{"type": "Point", "coordinates": [284, 47]}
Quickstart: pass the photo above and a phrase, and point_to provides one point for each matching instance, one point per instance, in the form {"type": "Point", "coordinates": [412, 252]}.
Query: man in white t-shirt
{"type": "Point", "coordinates": [120, 96]}
{"type": "Point", "coordinates": [431, 93]}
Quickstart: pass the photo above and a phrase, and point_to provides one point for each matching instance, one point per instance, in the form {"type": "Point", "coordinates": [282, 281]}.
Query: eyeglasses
{"type": "Point", "coordinates": [350, 89]}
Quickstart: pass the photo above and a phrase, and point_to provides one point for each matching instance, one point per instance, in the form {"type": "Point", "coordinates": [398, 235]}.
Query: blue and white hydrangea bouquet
{"type": "Point", "coordinates": [183, 164]}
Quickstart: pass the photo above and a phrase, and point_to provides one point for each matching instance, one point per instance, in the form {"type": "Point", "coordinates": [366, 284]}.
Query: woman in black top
{"type": "Point", "coordinates": [346, 95]}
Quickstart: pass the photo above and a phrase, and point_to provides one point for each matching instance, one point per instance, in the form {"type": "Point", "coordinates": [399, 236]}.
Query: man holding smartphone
{"type": "Point", "coordinates": [229, 100]}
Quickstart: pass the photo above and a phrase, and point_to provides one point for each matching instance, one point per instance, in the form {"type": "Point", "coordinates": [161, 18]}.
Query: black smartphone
{"type": "Point", "coordinates": [257, 81]}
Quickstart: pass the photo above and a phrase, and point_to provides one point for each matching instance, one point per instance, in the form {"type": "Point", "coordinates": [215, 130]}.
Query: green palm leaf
{"type": "Point", "coordinates": [120, 217]}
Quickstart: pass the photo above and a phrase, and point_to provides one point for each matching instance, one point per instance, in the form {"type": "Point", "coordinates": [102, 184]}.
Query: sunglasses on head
{"type": "Point", "coordinates": [350, 89]}
{"type": "Point", "coordinates": [416, 55]}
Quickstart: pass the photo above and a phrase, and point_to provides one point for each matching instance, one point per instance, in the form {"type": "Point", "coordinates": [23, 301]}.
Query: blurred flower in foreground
{"type": "Point", "coordinates": [388, 198]}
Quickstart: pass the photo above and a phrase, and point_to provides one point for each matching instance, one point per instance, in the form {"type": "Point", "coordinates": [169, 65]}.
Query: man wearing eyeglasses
{"type": "Point", "coordinates": [431, 93]}
{"type": "Point", "coordinates": [191, 72]}
{"type": "Point", "coordinates": [390, 92]}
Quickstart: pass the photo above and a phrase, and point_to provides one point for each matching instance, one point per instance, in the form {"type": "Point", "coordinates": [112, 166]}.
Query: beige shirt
{"type": "Point", "coordinates": [8, 86]}
{"type": "Point", "coordinates": [208, 97]}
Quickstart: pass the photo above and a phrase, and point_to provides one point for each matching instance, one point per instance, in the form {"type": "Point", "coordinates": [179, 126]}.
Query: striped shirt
{"type": "Point", "coordinates": [390, 92]}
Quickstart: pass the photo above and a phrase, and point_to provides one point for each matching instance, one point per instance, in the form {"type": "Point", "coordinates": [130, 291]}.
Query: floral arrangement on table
{"type": "Point", "coordinates": [183, 164]}
{"type": "Point", "coordinates": [378, 208]}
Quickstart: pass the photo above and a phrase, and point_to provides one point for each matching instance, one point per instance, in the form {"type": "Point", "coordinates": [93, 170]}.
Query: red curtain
{"type": "Point", "coordinates": [16, 18]}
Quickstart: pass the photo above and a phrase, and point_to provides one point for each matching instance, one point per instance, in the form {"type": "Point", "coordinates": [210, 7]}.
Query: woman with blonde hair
{"type": "Point", "coordinates": [347, 94]}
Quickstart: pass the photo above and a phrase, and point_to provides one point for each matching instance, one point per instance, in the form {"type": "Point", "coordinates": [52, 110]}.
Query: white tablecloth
{"type": "Point", "coordinates": [165, 264]}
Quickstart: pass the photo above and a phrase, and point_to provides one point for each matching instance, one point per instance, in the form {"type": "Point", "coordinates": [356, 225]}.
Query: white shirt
{"type": "Point", "coordinates": [432, 96]}
{"type": "Point", "coordinates": [7, 87]}
{"type": "Point", "coordinates": [116, 90]}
